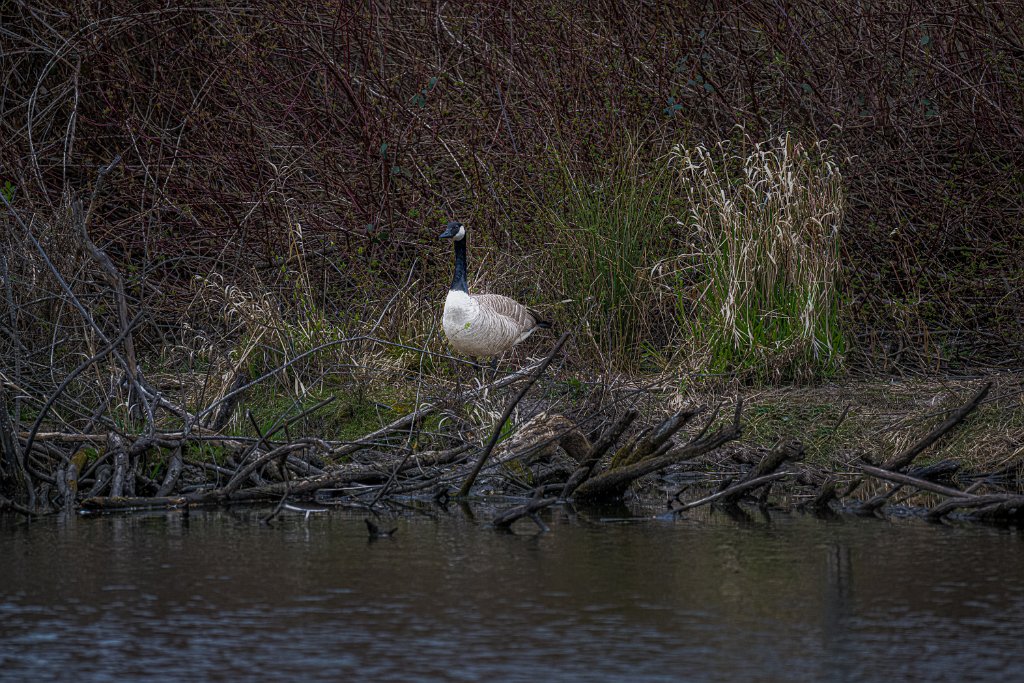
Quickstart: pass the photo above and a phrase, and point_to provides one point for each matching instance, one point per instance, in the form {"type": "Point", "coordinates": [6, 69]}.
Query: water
{"type": "Point", "coordinates": [216, 596]}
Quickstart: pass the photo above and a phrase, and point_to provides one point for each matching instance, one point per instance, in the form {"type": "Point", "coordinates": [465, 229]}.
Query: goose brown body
{"type": "Point", "coordinates": [485, 324]}
{"type": "Point", "coordinates": [482, 324]}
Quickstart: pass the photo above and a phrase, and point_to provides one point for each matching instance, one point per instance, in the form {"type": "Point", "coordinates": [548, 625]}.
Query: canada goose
{"type": "Point", "coordinates": [482, 324]}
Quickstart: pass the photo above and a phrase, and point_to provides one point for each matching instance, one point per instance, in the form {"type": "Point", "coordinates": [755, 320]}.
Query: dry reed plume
{"type": "Point", "coordinates": [766, 220]}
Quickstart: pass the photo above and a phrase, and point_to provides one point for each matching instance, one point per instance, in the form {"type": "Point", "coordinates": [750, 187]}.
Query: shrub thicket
{"type": "Point", "coordinates": [370, 124]}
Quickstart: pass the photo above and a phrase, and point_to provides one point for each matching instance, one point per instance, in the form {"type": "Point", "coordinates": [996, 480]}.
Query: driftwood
{"type": "Point", "coordinates": [653, 441]}
{"type": "Point", "coordinates": [116, 445]}
{"type": "Point", "coordinates": [922, 484]}
{"type": "Point", "coordinates": [468, 483]}
{"type": "Point", "coordinates": [902, 460]}
{"type": "Point", "coordinates": [995, 507]}
{"type": "Point", "coordinates": [8, 504]}
{"type": "Point", "coordinates": [926, 473]}
{"type": "Point", "coordinates": [732, 492]}
{"type": "Point", "coordinates": [991, 506]}
{"type": "Point", "coordinates": [826, 494]}
{"type": "Point", "coordinates": [763, 474]}
{"type": "Point", "coordinates": [783, 451]}
{"type": "Point", "coordinates": [612, 483]}
{"type": "Point", "coordinates": [607, 439]}
{"type": "Point", "coordinates": [44, 470]}
{"type": "Point", "coordinates": [530, 509]}
{"type": "Point", "coordinates": [340, 476]}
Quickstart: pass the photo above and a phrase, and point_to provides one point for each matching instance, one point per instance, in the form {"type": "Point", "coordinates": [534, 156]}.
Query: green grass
{"type": "Point", "coordinates": [351, 415]}
{"type": "Point", "coordinates": [611, 230]}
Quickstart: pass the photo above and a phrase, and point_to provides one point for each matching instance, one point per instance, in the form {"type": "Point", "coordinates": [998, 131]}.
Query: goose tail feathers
{"type": "Point", "coordinates": [538, 321]}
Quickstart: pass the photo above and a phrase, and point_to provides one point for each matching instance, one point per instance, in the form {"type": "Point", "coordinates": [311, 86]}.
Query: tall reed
{"type": "Point", "coordinates": [612, 227]}
{"type": "Point", "coordinates": [764, 218]}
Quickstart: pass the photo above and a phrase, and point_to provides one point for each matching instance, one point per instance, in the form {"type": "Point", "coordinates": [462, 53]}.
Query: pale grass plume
{"type": "Point", "coordinates": [764, 218]}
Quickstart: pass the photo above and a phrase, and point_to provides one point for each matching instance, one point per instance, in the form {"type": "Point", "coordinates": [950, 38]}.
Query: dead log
{"type": "Point", "coordinates": [1011, 507]}
{"type": "Point", "coordinates": [174, 468]}
{"type": "Point", "coordinates": [613, 483]}
{"type": "Point", "coordinates": [248, 470]}
{"type": "Point", "coordinates": [8, 504]}
{"type": "Point", "coordinates": [923, 473]}
{"type": "Point", "coordinates": [904, 459]}
{"type": "Point", "coordinates": [235, 392]}
{"type": "Point", "coordinates": [117, 446]}
{"type": "Point", "coordinates": [62, 486]}
{"type": "Point", "coordinates": [103, 475]}
{"type": "Point", "coordinates": [607, 439]}
{"type": "Point", "coordinates": [908, 455]}
{"type": "Point", "coordinates": [783, 451]}
{"type": "Point", "coordinates": [826, 494]}
{"type": "Point", "coordinates": [651, 441]}
{"type": "Point", "coordinates": [302, 467]}
{"type": "Point", "coordinates": [992, 506]}
{"type": "Point", "coordinates": [735, 491]}
{"type": "Point", "coordinates": [132, 475]}
{"type": "Point", "coordinates": [922, 484]}
{"type": "Point", "coordinates": [530, 509]}
{"type": "Point", "coordinates": [70, 478]}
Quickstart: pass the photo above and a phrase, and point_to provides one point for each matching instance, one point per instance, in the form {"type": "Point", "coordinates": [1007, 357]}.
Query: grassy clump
{"type": "Point", "coordinates": [611, 230]}
{"type": "Point", "coordinates": [763, 275]}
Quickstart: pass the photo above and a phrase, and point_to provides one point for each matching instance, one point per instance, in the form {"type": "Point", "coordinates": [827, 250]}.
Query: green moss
{"type": "Point", "coordinates": [353, 413]}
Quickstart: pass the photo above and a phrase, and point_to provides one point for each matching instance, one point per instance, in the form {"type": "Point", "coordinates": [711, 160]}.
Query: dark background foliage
{"type": "Point", "coordinates": [370, 124]}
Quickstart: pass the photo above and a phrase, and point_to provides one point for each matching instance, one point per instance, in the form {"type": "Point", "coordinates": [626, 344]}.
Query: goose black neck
{"type": "Point", "coordinates": [459, 281]}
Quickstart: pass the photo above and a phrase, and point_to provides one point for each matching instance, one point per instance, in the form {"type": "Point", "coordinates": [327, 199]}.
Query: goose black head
{"type": "Point", "coordinates": [455, 230]}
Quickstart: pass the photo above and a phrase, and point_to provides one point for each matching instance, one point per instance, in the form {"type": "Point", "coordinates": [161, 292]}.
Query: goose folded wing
{"type": "Point", "coordinates": [520, 315]}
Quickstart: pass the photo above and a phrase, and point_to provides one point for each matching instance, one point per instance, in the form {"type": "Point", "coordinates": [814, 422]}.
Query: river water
{"type": "Point", "coordinates": [216, 596]}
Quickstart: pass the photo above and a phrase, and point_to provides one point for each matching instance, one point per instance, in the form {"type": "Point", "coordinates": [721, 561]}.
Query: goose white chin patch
{"type": "Point", "coordinates": [461, 233]}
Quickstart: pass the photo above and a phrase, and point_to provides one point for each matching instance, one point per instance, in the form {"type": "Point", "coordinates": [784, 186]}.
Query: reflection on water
{"type": "Point", "coordinates": [218, 596]}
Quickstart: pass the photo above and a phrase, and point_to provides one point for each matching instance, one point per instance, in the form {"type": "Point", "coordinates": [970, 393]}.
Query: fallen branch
{"type": "Point", "coordinates": [614, 482]}
{"type": "Point", "coordinates": [607, 439]}
{"type": "Point", "coordinates": [174, 468]}
{"type": "Point", "coordinates": [243, 472]}
{"type": "Point", "coordinates": [782, 451]}
{"type": "Point", "coordinates": [732, 492]}
{"type": "Point", "coordinates": [468, 483]}
{"type": "Point", "coordinates": [922, 473]}
{"type": "Point", "coordinates": [826, 494]}
{"type": "Point", "coordinates": [923, 484]}
{"type": "Point", "coordinates": [651, 442]}
{"type": "Point", "coordinates": [904, 459]}
{"type": "Point", "coordinates": [537, 503]}
{"type": "Point", "coordinates": [8, 504]}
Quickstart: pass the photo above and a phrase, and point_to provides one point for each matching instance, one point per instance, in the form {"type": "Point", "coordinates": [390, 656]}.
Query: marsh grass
{"type": "Point", "coordinates": [611, 231]}
{"type": "Point", "coordinates": [761, 287]}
